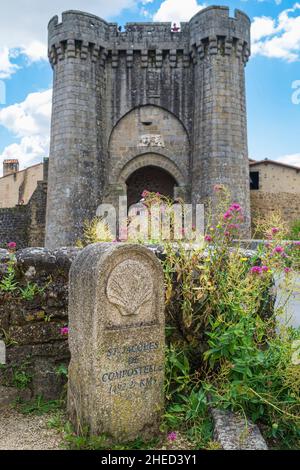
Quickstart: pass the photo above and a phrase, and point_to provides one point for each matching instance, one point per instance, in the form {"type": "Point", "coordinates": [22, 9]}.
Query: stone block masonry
{"type": "Point", "coordinates": [117, 342]}
{"type": "Point", "coordinates": [263, 204]}
{"type": "Point", "coordinates": [145, 97]}
{"type": "Point", "coordinates": [35, 347]}
{"type": "Point", "coordinates": [25, 224]}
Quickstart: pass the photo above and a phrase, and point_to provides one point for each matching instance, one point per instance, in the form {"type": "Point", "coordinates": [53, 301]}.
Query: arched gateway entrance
{"type": "Point", "coordinates": [152, 179]}
{"type": "Point", "coordinates": [148, 149]}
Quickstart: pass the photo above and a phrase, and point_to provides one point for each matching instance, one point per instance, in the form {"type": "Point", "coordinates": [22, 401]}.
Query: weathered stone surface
{"type": "Point", "coordinates": [116, 319]}
{"type": "Point", "coordinates": [32, 328]}
{"type": "Point", "coordinates": [233, 433]}
{"type": "Point", "coordinates": [9, 395]}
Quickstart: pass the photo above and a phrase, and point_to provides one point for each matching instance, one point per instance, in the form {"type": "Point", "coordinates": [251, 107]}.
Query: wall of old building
{"type": "Point", "coordinates": [263, 204]}
{"type": "Point", "coordinates": [17, 188]}
{"type": "Point", "coordinates": [25, 224]}
{"type": "Point", "coordinates": [279, 189]}
{"type": "Point", "coordinates": [275, 178]}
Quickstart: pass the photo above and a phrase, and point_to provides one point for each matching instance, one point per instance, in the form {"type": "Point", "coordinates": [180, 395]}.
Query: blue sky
{"type": "Point", "coordinates": [273, 73]}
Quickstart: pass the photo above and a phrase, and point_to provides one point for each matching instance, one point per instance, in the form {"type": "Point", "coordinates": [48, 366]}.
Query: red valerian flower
{"type": "Point", "coordinates": [256, 270]}
{"type": "Point", "coordinates": [235, 207]}
{"type": "Point", "coordinates": [12, 245]}
{"type": "Point", "coordinates": [172, 436]}
{"type": "Point", "coordinates": [208, 238]}
{"type": "Point", "coordinates": [145, 193]}
{"type": "Point", "coordinates": [64, 331]}
{"type": "Point", "coordinates": [227, 215]}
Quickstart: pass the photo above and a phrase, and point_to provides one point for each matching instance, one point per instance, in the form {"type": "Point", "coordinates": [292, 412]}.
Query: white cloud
{"type": "Point", "coordinates": [262, 27]}
{"type": "Point", "coordinates": [23, 24]}
{"type": "Point", "coordinates": [293, 159]}
{"type": "Point", "coordinates": [29, 121]}
{"type": "Point", "coordinates": [31, 117]}
{"type": "Point", "coordinates": [28, 151]}
{"type": "Point", "coordinates": [177, 10]}
{"type": "Point", "coordinates": [278, 38]}
{"type": "Point", "coordinates": [6, 67]}
{"type": "Point", "coordinates": [146, 13]}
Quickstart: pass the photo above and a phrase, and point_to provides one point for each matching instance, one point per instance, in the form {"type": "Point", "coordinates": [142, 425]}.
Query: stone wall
{"type": "Point", "coordinates": [25, 224]}
{"type": "Point", "coordinates": [31, 328]}
{"type": "Point", "coordinates": [264, 203]}
{"type": "Point", "coordinates": [14, 224]}
{"type": "Point", "coordinates": [37, 212]}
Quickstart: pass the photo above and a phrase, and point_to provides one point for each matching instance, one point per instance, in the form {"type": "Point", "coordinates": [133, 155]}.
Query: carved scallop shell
{"type": "Point", "coordinates": [129, 287]}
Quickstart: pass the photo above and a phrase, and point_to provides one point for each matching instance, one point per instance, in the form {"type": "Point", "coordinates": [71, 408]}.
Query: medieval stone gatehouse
{"type": "Point", "coordinates": [147, 108]}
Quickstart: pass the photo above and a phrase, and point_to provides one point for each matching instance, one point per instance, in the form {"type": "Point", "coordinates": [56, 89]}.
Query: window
{"type": "Point", "coordinates": [254, 179]}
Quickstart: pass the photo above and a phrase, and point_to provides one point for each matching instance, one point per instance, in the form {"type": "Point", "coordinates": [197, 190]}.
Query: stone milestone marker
{"type": "Point", "coordinates": [117, 339]}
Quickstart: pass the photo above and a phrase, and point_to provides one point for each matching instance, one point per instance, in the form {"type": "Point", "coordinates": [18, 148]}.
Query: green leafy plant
{"type": "Point", "coordinates": [62, 370]}
{"type": "Point", "coordinates": [8, 339]}
{"type": "Point", "coordinates": [30, 291]}
{"type": "Point", "coordinates": [225, 326]}
{"type": "Point", "coordinates": [95, 230]}
{"type": "Point", "coordinates": [8, 282]}
{"type": "Point", "coordinates": [40, 406]}
{"type": "Point", "coordinates": [295, 230]}
{"type": "Point", "coordinates": [21, 378]}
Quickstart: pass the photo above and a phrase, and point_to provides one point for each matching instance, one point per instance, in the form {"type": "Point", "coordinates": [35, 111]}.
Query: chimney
{"type": "Point", "coordinates": [10, 167]}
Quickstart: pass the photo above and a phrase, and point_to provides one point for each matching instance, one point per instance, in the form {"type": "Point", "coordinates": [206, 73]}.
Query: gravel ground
{"type": "Point", "coordinates": [27, 432]}
{"type": "Point", "coordinates": [31, 432]}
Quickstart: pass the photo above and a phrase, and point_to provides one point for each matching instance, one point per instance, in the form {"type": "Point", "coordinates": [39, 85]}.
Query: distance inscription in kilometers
{"type": "Point", "coordinates": [130, 378]}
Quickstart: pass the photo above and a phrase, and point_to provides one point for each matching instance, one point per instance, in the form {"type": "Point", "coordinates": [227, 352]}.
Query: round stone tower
{"type": "Point", "coordinates": [76, 161]}
{"type": "Point", "coordinates": [220, 48]}
{"type": "Point", "coordinates": [145, 101]}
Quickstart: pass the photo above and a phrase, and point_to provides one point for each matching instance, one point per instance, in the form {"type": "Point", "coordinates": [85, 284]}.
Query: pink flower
{"type": "Point", "coordinates": [227, 234]}
{"type": "Point", "coordinates": [11, 245]}
{"type": "Point", "coordinates": [208, 238]}
{"type": "Point", "coordinates": [287, 270]}
{"type": "Point", "coordinates": [227, 215]}
{"type": "Point", "coordinates": [256, 270]}
{"type": "Point", "coordinates": [297, 243]}
{"type": "Point", "coordinates": [265, 269]}
{"type": "Point", "coordinates": [145, 193]}
{"type": "Point", "coordinates": [233, 226]}
{"type": "Point", "coordinates": [64, 331]}
{"type": "Point", "coordinates": [275, 230]}
{"type": "Point", "coordinates": [172, 436]}
{"type": "Point", "coordinates": [278, 249]}
{"type": "Point", "coordinates": [235, 207]}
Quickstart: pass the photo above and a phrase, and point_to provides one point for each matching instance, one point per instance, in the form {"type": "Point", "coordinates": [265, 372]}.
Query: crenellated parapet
{"type": "Point", "coordinates": [213, 32]}
{"type": "Point", "coordinates": [210, 32]}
